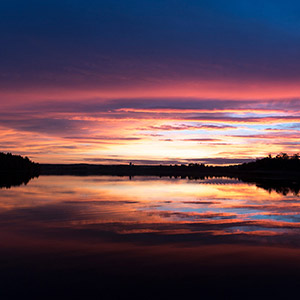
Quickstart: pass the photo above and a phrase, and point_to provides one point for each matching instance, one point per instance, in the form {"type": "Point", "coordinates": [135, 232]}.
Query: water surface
{"type": "Point", "coordinates": [148, 236]}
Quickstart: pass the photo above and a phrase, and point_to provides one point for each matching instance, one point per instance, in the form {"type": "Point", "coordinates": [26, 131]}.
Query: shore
{"type": "Point", "coordinates": [162, 170]}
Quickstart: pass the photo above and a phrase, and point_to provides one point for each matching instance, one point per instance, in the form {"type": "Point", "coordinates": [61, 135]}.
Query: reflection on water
{"type": "Point", "coordinates": [99, 232]}
{"type": "Point", "coordinates": [11, 179]}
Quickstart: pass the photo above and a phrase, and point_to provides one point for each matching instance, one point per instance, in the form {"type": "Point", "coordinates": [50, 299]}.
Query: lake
{"type": "Point", "coordinates": [148, 237]}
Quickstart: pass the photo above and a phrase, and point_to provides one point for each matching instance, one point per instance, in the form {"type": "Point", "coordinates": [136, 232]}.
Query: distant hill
{"type": "Point", "coordinates": [280, 166]}
{"type": "Point", "coordinates": [281, 162]}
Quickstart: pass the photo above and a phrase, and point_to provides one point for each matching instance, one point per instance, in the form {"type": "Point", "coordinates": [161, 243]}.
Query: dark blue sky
{"type": "Point", "coordinates": [60, 43]}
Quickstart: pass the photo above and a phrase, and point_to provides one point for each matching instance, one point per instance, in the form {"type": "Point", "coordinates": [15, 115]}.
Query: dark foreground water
{"type": "Point", "coordinates": [148, 238]}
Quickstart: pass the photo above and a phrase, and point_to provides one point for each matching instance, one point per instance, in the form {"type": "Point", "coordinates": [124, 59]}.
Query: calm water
{"type": "Point", "coordinates": [111, 237]}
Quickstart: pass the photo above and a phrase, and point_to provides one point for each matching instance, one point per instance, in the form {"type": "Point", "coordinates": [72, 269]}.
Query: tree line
{"type": "Point", "coordinates": [280, 162]}
{"type": "Point", "coordinates": [10, 162]}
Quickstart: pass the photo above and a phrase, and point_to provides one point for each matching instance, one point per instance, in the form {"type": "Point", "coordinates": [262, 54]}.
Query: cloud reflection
{"type": "Point", "coordinates": [152, 208]}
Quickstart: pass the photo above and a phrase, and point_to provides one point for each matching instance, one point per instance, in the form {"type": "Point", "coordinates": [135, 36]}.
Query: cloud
{"type": "Point", "coordinates": [90, 128]}
{"type": "Point", "coordinates": [102, 138]}
{"type": "Point", "coordinates": [201, 140]}
{"type": "Point", "coordinates": [167, 161]}
{"type": "Point", "coordinates": [159, 104]}
{"type": "Point", "coordinates": [280, 135]}
{"type": "Point", "coordinates": [188, 127]}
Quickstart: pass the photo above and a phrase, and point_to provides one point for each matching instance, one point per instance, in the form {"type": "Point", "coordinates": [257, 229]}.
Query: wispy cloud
{"type": "Point", "coordinates": [150, 130]}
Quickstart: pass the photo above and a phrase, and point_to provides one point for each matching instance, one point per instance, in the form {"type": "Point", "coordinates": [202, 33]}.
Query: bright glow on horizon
{"type": "Point", "coordinates": [161, 131]}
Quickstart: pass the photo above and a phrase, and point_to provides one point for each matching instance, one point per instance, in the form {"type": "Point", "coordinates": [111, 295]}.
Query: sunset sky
{"type": "Point", "coordinates": [149, 81]}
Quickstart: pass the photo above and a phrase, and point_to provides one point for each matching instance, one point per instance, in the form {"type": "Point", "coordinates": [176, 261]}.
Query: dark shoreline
{"type": "Point", "coordinates": [163, 171]}
{"type": "Point", "coordinates": [280, 173]}
{"type": "Point", "coordinates": [282, 182]}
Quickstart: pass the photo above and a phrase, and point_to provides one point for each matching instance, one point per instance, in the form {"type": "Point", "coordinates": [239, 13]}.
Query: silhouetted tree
{"type": "Point", "coordinates": [16, 170]}
{"type": "Point", "coordinates": [9, 162]}
{"type": "Point", "coordinates": [281, 162]}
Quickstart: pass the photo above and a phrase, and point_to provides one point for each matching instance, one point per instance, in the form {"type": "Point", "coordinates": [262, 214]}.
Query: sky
{"type": "Point", "coordinates": [148, 82]}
